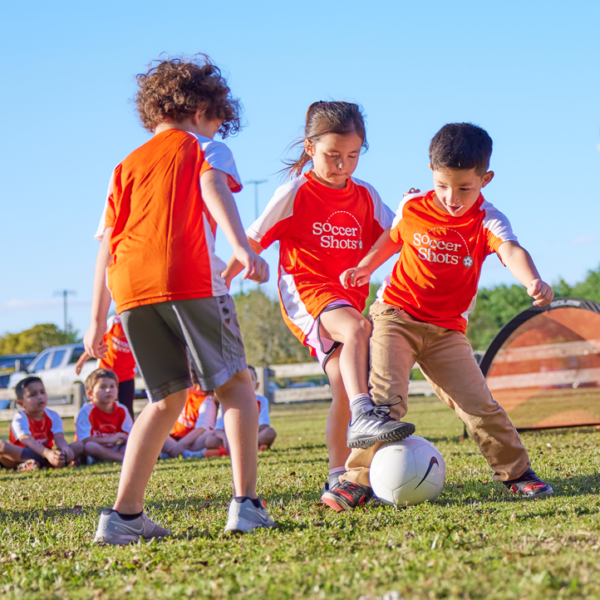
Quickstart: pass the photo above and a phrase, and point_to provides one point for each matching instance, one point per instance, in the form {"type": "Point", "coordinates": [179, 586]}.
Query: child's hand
{"type": "Point", "coordinates": [355, 277]}
{"type": "Point", "coordinates": [68, 453]}
{"type": "Point", "coordinates": [541, 292]}
{"type": "Point", "coordinates": [412, 191]}
{"type": "Point", "coordinates": [93, 340]}
{"type": "Point", "coordinates": [120, 437]}
{"type": "Point", "coordinates": [54, 457]}
{"type": "Point", "coordinates": [256, 268]}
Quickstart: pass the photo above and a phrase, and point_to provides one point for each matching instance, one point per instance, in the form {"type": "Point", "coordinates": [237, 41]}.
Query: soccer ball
{"type": "Point", "coordinates": [407, 472]}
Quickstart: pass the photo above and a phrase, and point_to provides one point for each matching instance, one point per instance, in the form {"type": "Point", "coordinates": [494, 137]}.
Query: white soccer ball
{"type": "Point", "coordinates": [407, 472]}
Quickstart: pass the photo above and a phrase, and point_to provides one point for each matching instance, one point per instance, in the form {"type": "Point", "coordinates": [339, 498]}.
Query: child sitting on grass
{"type": "Point", "coordinates": [103, 424]}
{"type": "Point", "coordinates": [16, 457]}
{"type": "Point", "coordinates": [38, 428]}
{"type": "Point", "coordinates": [422, 308]}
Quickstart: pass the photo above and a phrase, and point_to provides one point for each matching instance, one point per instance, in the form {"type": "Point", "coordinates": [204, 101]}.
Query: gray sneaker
{"type": "Point", "coordinates": [244, 516]}
{"type": "Point", "coordinates": [114, 530]}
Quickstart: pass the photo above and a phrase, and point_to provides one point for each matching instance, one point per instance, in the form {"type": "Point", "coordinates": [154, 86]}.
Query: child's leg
{"type": "Point", "coordinates": [239, 409]}
{"type": "Point", "coordinates": [10, 455]}
{"type": "Point", "coordinates": [339, 413]}
{"type": "Point", "coordinates": [348, 326]}
{"type": "Point", "coordinates": [145, 442]}
{"type": "Point", "coordinates": [102, 453]}
{"type": "Point", "coordinates": [457, 379]}
{"type": "Point", "coordinates": [266, 436]}
{"type": "Point", "coordinates": [394, 346]}
{"type": "Point", "coordinates": [169, 445]}
{"type": "Point", "coordinates": [200, 442]}
{"type": "Point", "coordinates": [77, 448]}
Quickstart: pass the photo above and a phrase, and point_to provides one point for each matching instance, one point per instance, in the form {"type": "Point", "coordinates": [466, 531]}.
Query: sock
{"type": "Point", "coordinates": [255, 501]}
{"type": "Point", "coordinates": [334, 476]}
{"type": "Point", "coordinates": [27, 453]}
{"type": "Point", "coordinates": [128, 517]}
{"type": "Point", "coordinates": [360, 404]}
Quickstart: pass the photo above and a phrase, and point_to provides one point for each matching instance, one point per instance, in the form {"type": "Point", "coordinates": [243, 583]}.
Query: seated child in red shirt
{"type": "Point", "coordinates": [103, 424]}
{"type": "Point", "coordinates": [38, 428]}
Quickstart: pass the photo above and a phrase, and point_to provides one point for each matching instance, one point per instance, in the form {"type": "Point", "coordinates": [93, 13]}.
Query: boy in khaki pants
{"type": "Point", "coordinates": [422, 308]}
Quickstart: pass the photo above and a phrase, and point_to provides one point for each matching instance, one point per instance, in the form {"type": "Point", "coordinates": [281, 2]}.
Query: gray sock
{"type": "Point", "coordinates": [360, 404]}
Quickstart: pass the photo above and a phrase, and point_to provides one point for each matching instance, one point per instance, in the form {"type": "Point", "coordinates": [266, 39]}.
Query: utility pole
{"type": "Point", "coordinates": [64, 294]}
{"type": "Point", "coordinates": [256, 183]}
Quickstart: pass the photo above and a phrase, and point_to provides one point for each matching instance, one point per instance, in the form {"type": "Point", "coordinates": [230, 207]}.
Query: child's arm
{"type": "Point", "coordinates": [63, 446]}
{"type": "Point", "coordinates": [521, 265]}
{"type": "Point", "coordinates": [82, 360]}
{"type": "Point", "coordinates": [222, 207]}
{"type": "Point", "coordinates": [54, 457]}
{"type": "Point", "coordinates": [94, 337]}
{"type": "Point", "coordinates": [234, 266]}
{"type": "Point", "coordinates": [107, 440]}
{"type": "Point", "coordinates": [383, 249]}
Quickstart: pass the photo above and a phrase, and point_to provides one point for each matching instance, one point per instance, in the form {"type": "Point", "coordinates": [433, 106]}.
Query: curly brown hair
{"type": "Point", "coordinates": [176, 88]}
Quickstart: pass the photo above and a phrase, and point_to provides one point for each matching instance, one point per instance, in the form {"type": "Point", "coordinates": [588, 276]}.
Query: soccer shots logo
{"type": "Point", "coordinates": [441, 245]}
{"type": "Point", "coordinates": [341, 230]}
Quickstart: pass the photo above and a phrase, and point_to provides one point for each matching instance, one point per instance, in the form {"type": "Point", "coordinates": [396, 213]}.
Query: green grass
{"type": "Point", "coordinates": [475, 542]}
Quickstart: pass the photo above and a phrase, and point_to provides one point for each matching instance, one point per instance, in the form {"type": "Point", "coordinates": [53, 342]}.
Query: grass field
{"type": "Point", "coordinates": [475, 542]}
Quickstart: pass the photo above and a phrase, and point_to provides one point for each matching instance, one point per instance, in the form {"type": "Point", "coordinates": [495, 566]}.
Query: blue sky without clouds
{"type": "Point", "coordinates": [527, 72]}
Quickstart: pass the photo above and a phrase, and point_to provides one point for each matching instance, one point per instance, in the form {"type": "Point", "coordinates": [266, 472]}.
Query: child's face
{"type": "Point", "coordinates": [253, 377]}
{"type": "Point", "coordinates": [34, 398]}
{"type": "Point", "coordinates": [105, 392]}
{"type": "Point", "coordinates": [335, 157]}
{"type": "Point", "coordinates": [457, 190]}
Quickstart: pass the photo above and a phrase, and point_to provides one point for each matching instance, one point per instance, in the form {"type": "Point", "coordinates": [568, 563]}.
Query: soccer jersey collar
{"type": "Point", "coordinates": [468, 215]}
{"type": "Point", "coordinates": [331, 193]}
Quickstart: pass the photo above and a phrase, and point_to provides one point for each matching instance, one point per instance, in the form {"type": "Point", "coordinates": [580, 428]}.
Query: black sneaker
{"type": "Point", "coordinates": [529, 485]}
{"type": "Point", "coordinates": [347, 495]}
{"type": "Point", "coordinates": [376, 425]}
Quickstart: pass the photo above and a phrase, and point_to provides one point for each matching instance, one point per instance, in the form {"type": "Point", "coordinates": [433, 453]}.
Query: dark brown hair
{"type": "Point", "coordinates": [20, 387]}
{"type": "Point", "coordinates": [323, 118]}
{"type": "Point", "coordinates": [177, 88]}
{"type": "Point", "coordinates": [461, 146]}
{"type": "Point", "coordinates": [95, 376]}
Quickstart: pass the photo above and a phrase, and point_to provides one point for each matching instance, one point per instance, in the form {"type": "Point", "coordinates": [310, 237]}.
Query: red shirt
{"type": "Point", "coordinates": [41, 431]}
{"type": "Point", "coordinates": [188, 417]}
{"type": "Point", "coordinates": [93, 422]}
{"type": "Point", "coordinates": [119, 357]}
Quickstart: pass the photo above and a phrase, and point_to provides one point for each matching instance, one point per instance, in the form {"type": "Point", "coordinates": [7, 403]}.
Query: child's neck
{"type": "Point", "coordinates": [201, 128]}
{"type": "Point", "coordinates": [107, 407]}
{"type": "Point", "coordinates": [37, 415]}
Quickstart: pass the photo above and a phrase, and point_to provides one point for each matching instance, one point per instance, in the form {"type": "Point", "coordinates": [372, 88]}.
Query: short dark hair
{"type": "Point", "coordinates": [20, 387]}
{"type": "Point", "coordinates": [251, 368]}
{"type": "Point", "coordinates": [461, 146]}
{"type": "Point", "coordinates": [94, 376]}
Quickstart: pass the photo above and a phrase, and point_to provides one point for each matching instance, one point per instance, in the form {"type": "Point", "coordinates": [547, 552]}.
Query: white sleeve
{"type": "Point", "coordinates": [57, 424]}
{"type": "Point", "coordinates": [99, 235]}
{"type": "Point", "coordinates": [207, 415]}
{"type": "Point", "coordinates": [220, 157]}
{"type": "Point", "coordinates": [383, 214]}
{"type": "Point", "coordinates": [83, 427]}
{"type": "Point", "coordinates": [263, 415]}
{"type": "Point", "coordinates": [497, 223]}
{"type": "Point", "coordinates": [220, 424]}
{"type": "Point", "coordinates": [20, 425]}
{"type": "Point", "coordinates": [279, 208]}
{"type": "Point", "coordinates": [128, 422]}
{"type": "Point", "coordinates": [403, 202]}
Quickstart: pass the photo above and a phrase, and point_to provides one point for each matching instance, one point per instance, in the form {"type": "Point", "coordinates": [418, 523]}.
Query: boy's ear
{"type": "Point", "coordinates": [487, 178]}
{"type": "Point", "coordinates": [430, 167]}
{"type": "Point", "coordinates": [89, 394]}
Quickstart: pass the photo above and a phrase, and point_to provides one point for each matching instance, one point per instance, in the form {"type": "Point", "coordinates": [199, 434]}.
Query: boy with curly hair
{"type": "Point", "coordinates": [157, 259]}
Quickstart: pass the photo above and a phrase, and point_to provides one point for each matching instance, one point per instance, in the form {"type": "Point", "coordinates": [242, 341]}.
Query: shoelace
{"type": "Point", "coordinates": [383, 410]}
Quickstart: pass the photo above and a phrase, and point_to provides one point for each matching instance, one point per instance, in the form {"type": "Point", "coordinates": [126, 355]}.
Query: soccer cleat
{"type": "Point", "coordinates": [376, 425]}
{"type": "Point", "coordinates": [245, 516]}
{"type": "Point", "coordinates": [528, 485]}
{"type": "Point", "coordinates": [116, 531]}
{"type": "Point", "coordinates": [28, 465]}
{"type": "Point", "coordinates": [346, 495]}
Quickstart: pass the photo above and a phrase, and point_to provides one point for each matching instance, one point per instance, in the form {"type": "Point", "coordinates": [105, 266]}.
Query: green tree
{"type": "Point", "coordinates": [267, 339]}
{"type": "Point", "coordinates": [589, 288]}
{"type": "Point", "coordinates": [373, 287]}
{"type": "Point", "coordinates": [35, 339]}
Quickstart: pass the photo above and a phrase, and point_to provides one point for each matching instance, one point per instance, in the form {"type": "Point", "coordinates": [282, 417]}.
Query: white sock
{"type": "Point", "coordinates": [360, 404]}
{"type": "Point", "coordinates": [334, 476]}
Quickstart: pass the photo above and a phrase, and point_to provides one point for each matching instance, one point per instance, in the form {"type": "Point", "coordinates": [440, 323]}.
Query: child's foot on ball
{"type": "Point", "coordinates": [528, 485]}
{"type": "Point", "coordinates": [347, 495]}
{"type": "Point", "coordinates": [376, 425]}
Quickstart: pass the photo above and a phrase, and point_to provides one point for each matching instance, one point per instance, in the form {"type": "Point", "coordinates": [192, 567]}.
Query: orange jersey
{"type": "Point", "coordinates": [93, 422]}
{"type": "Point", "coordinates": [322, 232]}
{"type": "Point", "coordinates": [435, 279]}
{"type": "Point", "coordinates": [41, 431]}
{"type": "Point", "coordinates": [119, 357]}
{"type": "Point", "coordinates": [190, 418]}
{"type": "Point", "coordinates": [163, 237]}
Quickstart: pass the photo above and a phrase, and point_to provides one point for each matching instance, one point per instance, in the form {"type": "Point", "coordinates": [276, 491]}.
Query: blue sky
{"type": "Point", "coordinates": [527, 72]}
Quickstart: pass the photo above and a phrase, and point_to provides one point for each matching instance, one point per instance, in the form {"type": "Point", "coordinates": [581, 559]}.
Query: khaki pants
{"type": "Point", "coordinates": [446, 359]}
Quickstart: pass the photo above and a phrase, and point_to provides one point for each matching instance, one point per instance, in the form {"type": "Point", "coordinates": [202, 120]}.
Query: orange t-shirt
{"type": "Point", "coordinates": [322, 232]}
{"type": "Point", "coordinates": [163, 237]}
{"type": "Point", "coordinates": [41, 431]}
{"type": "Point", "coordinates": [186, 421]}
{"type": "Point", "coordinates": [119, 357]}
{"type": "Point", "coordinates": [93, 422]}
{"type": "Point", "coordinates": [435, 279]}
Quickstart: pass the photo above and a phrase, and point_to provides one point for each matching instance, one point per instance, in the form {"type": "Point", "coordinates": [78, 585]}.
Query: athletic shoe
{"type": "Point", "coordinates": [246, 516]}
{"type": "Point", "coordinates": [28, 465]}
{"type": "Point", "coordinates": [347, 495]}
{"type": "Point", "coordinates": [114, 530]}
{"type": "Point", "coordinates": [376, 425]}
{"type": "Point", "coordinates": [528, 485]}
{"type": "Point", "coordinates": [166, 455]}
{"type": "Point", "coordinates": [193, 454]}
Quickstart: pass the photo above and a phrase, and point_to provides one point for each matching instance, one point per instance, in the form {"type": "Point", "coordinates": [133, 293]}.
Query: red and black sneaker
{"type": "Point", "coordinates": [347, 495]}
{"type": "Point", "coordinates": [528, 485]}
